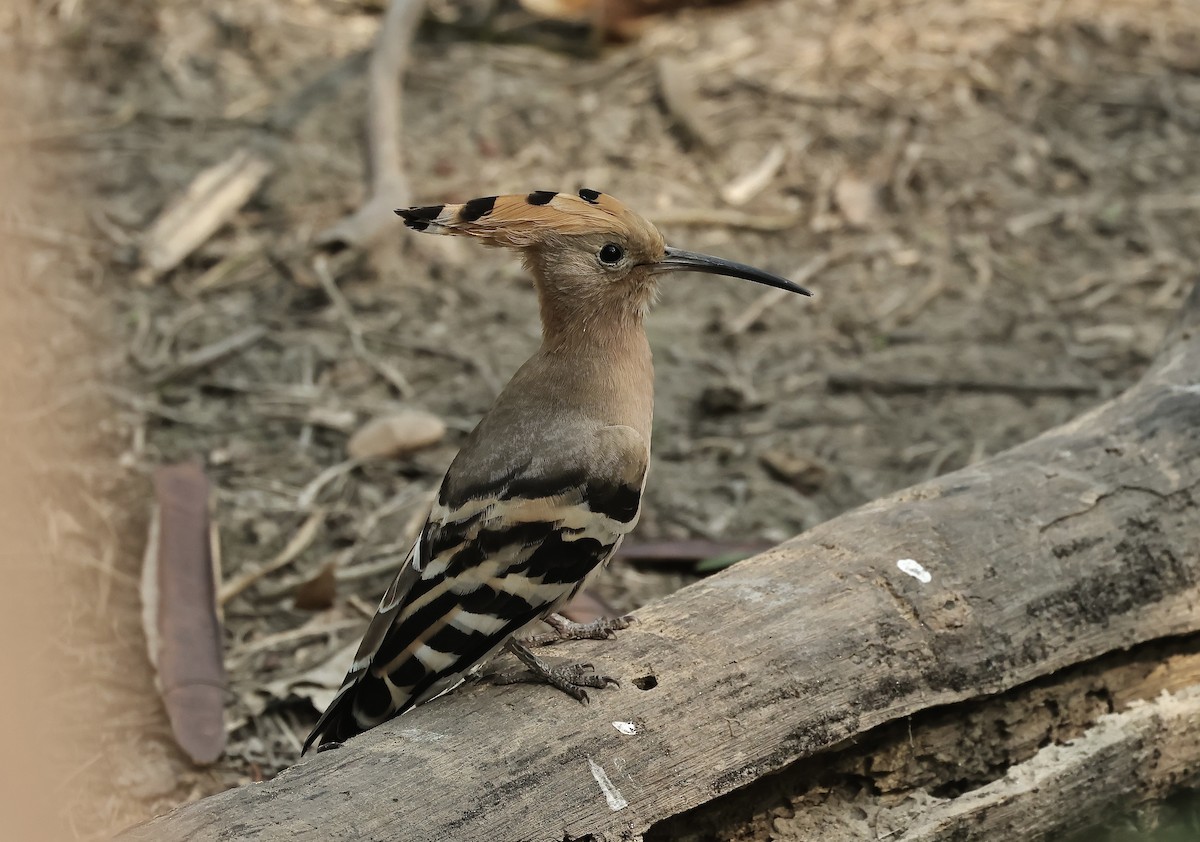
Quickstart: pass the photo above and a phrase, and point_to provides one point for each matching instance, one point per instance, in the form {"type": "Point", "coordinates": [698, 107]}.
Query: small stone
{"type": "Point", "coordinates": [395, 435]}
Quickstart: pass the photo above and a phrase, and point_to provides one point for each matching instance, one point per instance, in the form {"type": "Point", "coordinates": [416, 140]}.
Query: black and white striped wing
{"type": "Point", "coordinates": [488, 564]}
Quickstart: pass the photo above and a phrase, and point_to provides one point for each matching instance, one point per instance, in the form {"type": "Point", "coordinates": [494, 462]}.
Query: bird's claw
{"type": "Point", "coordinates": [604, 628]}
{"type": "Point", "coordinates": [569, 678]}
{"type": "Point", "coordinates": [581, 675]}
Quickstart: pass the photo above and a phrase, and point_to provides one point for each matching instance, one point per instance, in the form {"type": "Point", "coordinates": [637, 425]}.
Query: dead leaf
{"type": "Point", "coordinates": [394, 435]}
{"type": "Point", "coordinates": [318, 685]}
{"type": "Point", "coordinates": [179, 611]}
{"type": "Point", "coordinates": [317, 593]}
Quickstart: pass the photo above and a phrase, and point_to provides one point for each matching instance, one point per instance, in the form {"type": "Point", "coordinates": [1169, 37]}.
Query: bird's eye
{"type": "Point", "coordinates": [611, 254]}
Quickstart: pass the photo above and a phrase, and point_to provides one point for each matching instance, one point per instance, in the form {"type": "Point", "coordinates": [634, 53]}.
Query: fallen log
{"type": "Point", "coordinates": [1079, 544]}
{"type": "Point", "coordinates": [1150, 749]}
{"type": "Point", "coordinates": [1040, 762]}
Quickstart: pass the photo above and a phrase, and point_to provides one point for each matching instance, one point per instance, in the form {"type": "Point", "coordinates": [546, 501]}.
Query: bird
{"type": "Point", "coordinates": [550, 481]}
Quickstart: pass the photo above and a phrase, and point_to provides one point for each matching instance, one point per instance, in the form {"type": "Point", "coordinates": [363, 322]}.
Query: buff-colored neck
{"type": "Point", "coordinates": [595, 356]}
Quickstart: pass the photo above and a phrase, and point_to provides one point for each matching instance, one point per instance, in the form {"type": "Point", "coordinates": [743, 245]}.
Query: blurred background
{"type": "Point", "coordinates": [996, 203]}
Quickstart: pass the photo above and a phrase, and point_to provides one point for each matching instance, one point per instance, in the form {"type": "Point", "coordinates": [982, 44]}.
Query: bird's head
{"type": "Point", "coordinates": [590, 254]}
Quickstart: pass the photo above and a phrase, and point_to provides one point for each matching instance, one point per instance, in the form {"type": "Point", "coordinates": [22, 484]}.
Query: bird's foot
{"type": "Point", "coordinates": [569, 678]}
{"type": "Point", "coordinates": [604, 628]}
{"type": "Point", "coordinates": [329, 746]}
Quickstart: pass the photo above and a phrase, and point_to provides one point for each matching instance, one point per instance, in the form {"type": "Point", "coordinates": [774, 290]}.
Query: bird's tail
{"type": "Point", "coordinates": [337, 723]}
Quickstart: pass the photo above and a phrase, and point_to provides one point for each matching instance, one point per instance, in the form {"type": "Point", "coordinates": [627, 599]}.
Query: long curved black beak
{"type": "Point", "coordinates": [678, 260]}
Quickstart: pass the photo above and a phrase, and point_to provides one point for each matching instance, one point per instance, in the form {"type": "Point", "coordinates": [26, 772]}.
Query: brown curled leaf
{"type": "Point", "coordinates": [183, 629]}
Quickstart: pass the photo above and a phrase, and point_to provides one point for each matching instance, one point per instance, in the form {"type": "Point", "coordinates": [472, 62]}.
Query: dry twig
{"type": "Point", "coordinates": [298, 544]}
{"type": "Point", "coordinates": [741, 323]}
{"type": "Point", "coordinates": [202, 358]}
{"type": "Point", "coordinates": [682, 103]}
{"type": "Point", "coordinates": [389, 186]}
{"type": "Point", "coordinates": [308, 496]}
{"type": "Point", "coordinates": [853, 381]}
{"type": "Point", "coordinates": [211, 200]}
{"type": "Point", "coordinates": [752, 182]}
{"type": "Point", "coordinates": [384, 369]}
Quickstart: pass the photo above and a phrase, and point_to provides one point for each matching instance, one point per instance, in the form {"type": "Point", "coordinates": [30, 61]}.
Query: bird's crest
{"type": "Point", "coordinates": [526, 219]}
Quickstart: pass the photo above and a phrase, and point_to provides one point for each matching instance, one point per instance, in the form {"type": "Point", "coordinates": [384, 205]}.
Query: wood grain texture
{"type": "Point", "coordinates": [1082, 541]}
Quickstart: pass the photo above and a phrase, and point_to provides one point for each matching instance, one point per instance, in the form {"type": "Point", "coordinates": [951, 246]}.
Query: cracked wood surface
{"type": "Point", "coordinates": [1149, 749]}
{"type": "Point", "coordinates": [1080, 542]}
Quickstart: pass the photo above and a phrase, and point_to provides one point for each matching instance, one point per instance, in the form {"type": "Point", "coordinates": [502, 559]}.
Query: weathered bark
{"type": "Point", "coordinates": [1149, 749]}
{"type": "Point", "coordinates": [1036, 763]}
{"type": "Point", "coordinates": [1082, 542]}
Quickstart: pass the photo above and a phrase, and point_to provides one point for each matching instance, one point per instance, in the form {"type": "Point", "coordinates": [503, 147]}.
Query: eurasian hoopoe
{"type": "Point", "coordinates": [550, 481]}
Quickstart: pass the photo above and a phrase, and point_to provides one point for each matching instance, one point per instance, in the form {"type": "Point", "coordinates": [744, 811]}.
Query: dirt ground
{"type": "Point", "coordinates": [994, 201]}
